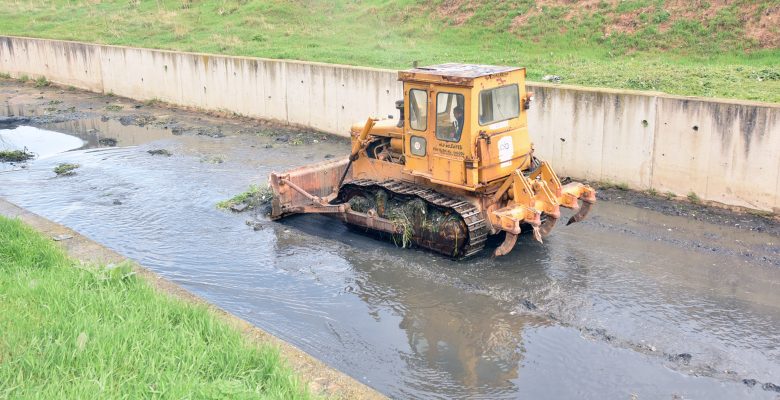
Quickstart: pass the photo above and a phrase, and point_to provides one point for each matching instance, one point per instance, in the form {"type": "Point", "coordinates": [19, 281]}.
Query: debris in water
{"type": "Point", "coordinates": [255, 224]}
{"type": "Point", "coordinates": [239, 207]}
{"type": "Point", "coordinates": [215, 133]}
{"type": "Point", "coordinates": [160, 152]}
{"type": "Point", "coordinates": [138, 120]}
{"type": "Point", "coordinates": [110, 142]}
{"type": "Point", "coordinates": [683, 358]}
{"type": "Point", "coordinates": [66, 169]}
{"type": "Point", "coordinates": [213, 159]}
{"type": "Point", "coordinates": [248, 200]}
{"type": "Point", "coordinates": [770, 387]}
{"type": "Point", "coordinates": [15, 155]}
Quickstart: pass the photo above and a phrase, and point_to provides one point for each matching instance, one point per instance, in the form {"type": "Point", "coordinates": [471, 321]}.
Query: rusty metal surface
{"type": "Point", "coordinates": [455, 74]}
{"type": "Point", "coordinates": [506, 246]}
{"type": "Point", "coordinates": [318, 180]}
{"type": "Point", "coordinates": [462, 70]}
{"type": "Point", "coordinates": [460, 238]}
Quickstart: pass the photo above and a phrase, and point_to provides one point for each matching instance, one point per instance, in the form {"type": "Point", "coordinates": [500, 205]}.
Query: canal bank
{"type": "Point", "coordinates": [320, 378]}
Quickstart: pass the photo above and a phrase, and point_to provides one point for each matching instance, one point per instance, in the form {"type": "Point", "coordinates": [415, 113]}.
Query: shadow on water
{"type": "Point", "coordinates": [598, 311]}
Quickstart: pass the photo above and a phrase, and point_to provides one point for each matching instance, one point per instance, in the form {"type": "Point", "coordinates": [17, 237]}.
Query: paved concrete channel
{"type": "Point", "coordinates": [633, 302]}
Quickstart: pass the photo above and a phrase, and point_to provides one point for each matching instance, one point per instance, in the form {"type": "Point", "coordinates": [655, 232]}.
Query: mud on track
{"type": "Point", "coordinates": [645, 298]}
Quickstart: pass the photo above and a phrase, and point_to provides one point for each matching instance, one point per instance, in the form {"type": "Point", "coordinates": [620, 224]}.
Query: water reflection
{"type": "Point", "coordinates": [41, 142]}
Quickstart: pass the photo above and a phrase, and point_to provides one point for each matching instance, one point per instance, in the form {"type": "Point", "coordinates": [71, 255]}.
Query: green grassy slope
{"type": "Point", "coordinates": [681, 47]}
{"type": "Point", "coordinates": [75, 332]}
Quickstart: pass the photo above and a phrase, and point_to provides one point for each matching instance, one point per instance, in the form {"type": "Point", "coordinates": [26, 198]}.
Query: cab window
{"type": "Point", "coordinates": [499, 104]}
{"type": "Point", "coordinates": [449, 116]}
{"type": "Point", "coordinates": [418, 109]}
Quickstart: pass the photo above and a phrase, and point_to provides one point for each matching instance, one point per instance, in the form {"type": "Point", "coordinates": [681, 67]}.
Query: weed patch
{"type": "Point", "coordinates": [15, 155]}
{"type": "Point", "coordinates": [218, 159]}
{"type": "Point", "coordinates": [66, 169]}
{"type": "Point", "coordinates": [252, 198]}
{"type": "Point", "coordinates": [612, 185]}
{"type": "Point", "coordinates": [42, 82]}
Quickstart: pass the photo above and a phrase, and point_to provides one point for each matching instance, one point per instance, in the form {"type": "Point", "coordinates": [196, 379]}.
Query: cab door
{"type": "Point", "coordinates": [449, 135]}
{"type": "Point", "coordinates": [417, 129]}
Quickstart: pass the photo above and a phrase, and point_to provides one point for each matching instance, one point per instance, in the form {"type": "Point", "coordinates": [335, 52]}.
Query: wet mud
{"type": "Point", "coordinates": [645, 299]}
{"type": "Point", "coordinates": [739, 219]}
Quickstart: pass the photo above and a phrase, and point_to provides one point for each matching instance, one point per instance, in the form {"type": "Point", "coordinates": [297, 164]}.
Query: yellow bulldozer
{"type": "Point", "coordinates": [456, 167]}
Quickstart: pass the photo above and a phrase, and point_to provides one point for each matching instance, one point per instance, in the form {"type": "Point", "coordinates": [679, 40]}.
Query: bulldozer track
{"type": "Point", "coordinates": [472, 217]}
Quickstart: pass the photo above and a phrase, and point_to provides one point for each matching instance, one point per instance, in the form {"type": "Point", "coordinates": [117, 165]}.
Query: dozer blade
{"type": "Point", "coordinates": [307, 189]}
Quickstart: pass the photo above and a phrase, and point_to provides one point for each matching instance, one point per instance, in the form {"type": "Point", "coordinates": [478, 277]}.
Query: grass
{"type": "Point", "coordinates": [89, 332]}
{"type": "Point", "coordinates": [403, 222]}
{"type": "Point", "coordinates": [612, 185]}
{"type": "Point", "coordinates": [254, 196]}
{"type": "Point", "coordinates": [695, 48]}
{"type": "Point", "coordinates": [152, 102]}
{"type": "Point", "coordinates": [41, 82]}
{"type": "Point", "coordinates": [66, 169]}
{"type": "Point", "coordinates": [15, 155]}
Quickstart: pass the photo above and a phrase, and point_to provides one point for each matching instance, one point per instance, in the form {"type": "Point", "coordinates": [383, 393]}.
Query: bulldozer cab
{"type": "Point", "coordinates": [465, 125]}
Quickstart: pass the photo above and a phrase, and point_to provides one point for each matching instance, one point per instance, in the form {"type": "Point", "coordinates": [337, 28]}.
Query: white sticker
{"type": "Point", "coordinates": [499, 125]}
{"type": "Point", "coordinates": [505, 151]}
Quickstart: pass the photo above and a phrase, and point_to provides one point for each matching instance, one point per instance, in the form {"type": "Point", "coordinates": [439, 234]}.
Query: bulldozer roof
{"type": "Point", "coordinates": [453, 73]}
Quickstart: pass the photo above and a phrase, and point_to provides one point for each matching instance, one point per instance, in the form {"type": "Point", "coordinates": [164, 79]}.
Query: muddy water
{"type": "Point", "coordinates": [630, 302]}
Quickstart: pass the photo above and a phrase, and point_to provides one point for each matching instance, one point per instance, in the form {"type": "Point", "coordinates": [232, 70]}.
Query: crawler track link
{"type": "Point", "coordinates": [472, 218]}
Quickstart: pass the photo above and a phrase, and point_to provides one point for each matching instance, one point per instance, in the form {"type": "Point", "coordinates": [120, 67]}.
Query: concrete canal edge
{"type": "Point", "coordinates": [721, 150]}
{"type": "Point", "coordinates": [319, 377]}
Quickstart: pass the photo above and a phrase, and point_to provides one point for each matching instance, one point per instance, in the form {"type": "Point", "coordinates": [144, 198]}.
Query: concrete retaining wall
{"type": "Point", "coordinates": [724, 151]}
